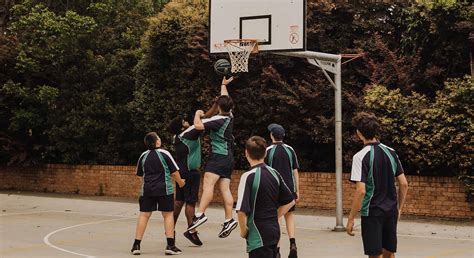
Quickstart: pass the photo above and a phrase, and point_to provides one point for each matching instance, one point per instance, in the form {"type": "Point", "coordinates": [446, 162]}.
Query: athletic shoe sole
{"type": "Point", "coordinates": [227, 232]}
{"type": "Point", "coordinates": [198, 223]}
{"type": "Point", "coordinates": [136, 252]}
{"type": "Point", "coordinates": [171, 252]}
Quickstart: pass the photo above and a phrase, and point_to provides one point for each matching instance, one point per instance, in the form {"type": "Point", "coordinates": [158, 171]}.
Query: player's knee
{"type": "Point", "coordinates": [146, 215]}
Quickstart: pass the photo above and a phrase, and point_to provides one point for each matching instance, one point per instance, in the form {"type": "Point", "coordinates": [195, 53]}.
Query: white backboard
{"type": "Point", "coordinates": [278, 25]}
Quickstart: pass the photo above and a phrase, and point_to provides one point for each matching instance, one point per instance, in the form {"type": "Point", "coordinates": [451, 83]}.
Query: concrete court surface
{"type": "Point", "coordinates": [53, 225]}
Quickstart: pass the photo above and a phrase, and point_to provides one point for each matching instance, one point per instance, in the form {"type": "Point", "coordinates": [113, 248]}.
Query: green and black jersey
{"type": "Point", "coordinates": [156, 167]}
{"type": "Point", "coordinates": [261, 192]}
{"type": "Point", "coordinates": [220, 128]}
{"type": "Point", "coordinates": [188, 150]}
{"type": "Point", "coordinates": [282, 157]}
{"type": "Point", "coordinates": [377, 165]}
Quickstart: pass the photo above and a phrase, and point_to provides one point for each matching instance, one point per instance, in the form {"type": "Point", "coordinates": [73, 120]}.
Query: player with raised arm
{"type": "Point", "coordinates": [374, 170]}
{"type": "Point", "coordinates": [221, 161]}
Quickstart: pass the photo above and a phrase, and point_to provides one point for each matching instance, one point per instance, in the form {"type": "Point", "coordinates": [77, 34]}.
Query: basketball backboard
{"type": "Point", "coordinates": [277, 25]}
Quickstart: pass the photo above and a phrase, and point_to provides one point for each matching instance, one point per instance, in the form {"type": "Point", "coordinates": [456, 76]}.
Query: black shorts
{"type": "Point", "coordinates": [379, 232]}
{"type": "Point", "coordinates": [221, 165]}
{"type": "Point", "coordinates": [189, 193]}
{"type": "Point", "coordinates": [153, 203]}
{"type": "Point", "coordinates": [294, 206]}
{"type": "Point", "coordinates": [268, 251]}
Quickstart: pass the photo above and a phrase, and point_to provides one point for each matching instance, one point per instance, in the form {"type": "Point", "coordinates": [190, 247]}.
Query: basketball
{"type": "Point", "coordinates": [222, 67]}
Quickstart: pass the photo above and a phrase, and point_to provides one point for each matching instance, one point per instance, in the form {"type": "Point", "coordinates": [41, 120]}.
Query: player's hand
{"type": "Point", "coordinates": [350, 227]}
{"type": "Point", "coordinates": [297, 197]}
{"type": "Point", "coordinates": [244, 232]}
{"type": "Point", "coordinates": [226, 81]}
{"type": "Point", "coordinates": [399, 214]}
{"type": "Point", "coordinates": [199, 113]}
{"type": "Point", "coordinates": [181, 183]}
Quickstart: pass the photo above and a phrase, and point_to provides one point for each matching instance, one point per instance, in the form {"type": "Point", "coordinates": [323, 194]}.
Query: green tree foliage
{"type": "Point", "coordinates": [434, 136]}
{"type": "Point", "coordinates": [86, 52]}
{"type": "Point", "coordinates": [117, 69]}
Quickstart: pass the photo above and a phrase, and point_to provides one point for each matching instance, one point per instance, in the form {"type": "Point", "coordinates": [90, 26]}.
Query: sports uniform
{"type": "Point", "coordinates": [188, 156]}
{"type": "Point", "coordinates": [282, 157]}
{"type": "Point", "coordinates": [221, 159]}
{"type": "Point", "coordinates": [156, 167]}
{"type": "Point", "coordinates": [261, 192]}
{"type": "Point", "coordinates": [377, 165]}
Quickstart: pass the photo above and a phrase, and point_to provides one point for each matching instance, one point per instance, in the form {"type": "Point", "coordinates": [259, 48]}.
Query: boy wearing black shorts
{"type": "Point", "coordinates": [282, 157]}
{"type": "Point", "coordinates": [263, 198]}
{"type": "Point", "coordinates": [187, 145]}
{"type": "Point", "coordinates": [157, 168]}
{"type": "Point", "coordinates": [221, 161]}
{"type": "Point", "coordinates": [374, 170]}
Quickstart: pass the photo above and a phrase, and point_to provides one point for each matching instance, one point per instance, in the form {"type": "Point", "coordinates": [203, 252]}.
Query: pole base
{"type": "Point", "coordinates": [339, 229]}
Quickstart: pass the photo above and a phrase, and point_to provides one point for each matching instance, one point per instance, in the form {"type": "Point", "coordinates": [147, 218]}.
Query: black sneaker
{"type": "Point", "coordinates": [197, 221]}
{"type": "Point", "coordinates": [135, 249]}
{"type": "Point", "coordinates": [172, 250]}
{"type": "Point", "coordinates": [227, 228]}
{"type": "Point", "coordinates": [193, 237]}
{"type": "Point", "coordinates": [293, 251]}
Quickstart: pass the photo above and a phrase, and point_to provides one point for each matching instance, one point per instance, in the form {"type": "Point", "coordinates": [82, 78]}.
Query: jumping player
{"type": "Point", "coordinates": [374, 170]}
{"type": "Point", "coordinates": [221, 161]}
{"type": "Point", "coordinates": [263, 198]}
{"type": "Point", "coordinates": [282, 157]}
{"type": "Point", "coordinates": [157, 168]}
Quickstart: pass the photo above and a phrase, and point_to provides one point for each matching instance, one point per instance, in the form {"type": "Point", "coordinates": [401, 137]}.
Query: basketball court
{"type": "Point", "coordinates": [53, 225]}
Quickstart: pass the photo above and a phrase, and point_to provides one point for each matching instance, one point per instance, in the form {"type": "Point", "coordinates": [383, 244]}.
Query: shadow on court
{"type": "Point", "coordinates": [51, 225]}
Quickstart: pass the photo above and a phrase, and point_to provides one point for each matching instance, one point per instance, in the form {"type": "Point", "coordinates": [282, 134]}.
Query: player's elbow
{"type": "Point", "coordinates": [199, 127]}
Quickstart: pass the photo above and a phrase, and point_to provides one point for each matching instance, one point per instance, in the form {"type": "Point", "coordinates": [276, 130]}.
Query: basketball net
{"type": "Point", "coordinates": [239, 51]}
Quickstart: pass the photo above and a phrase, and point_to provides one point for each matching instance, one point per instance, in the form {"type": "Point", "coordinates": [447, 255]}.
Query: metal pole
{"type": "Point", "coordinates": [338, 128]}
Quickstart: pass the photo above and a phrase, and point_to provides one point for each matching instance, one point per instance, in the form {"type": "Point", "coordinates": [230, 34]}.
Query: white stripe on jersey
{"type": "Point", "coordinates": [142, 156]}
{"type": "Point", "coordinates": [241, 190]}
{"type": "Point", "coordinates": [187, 130]}
{"type": "Point", "coordinates": [356, 172]}
{"type": "Point", "coordinates": [387, 147]}
{"type": "Point", "coordinates": [171, 158]}
{"type": "Point", "coordinates": [214, 118]}
{"type": "Point", "coordinates": [294, 152]}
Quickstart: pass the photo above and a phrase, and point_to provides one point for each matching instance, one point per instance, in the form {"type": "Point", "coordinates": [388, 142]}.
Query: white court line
{"type": "Point", "coordinates": [24, 213]}
{"type": "Point", "coordinates": [46, 238]}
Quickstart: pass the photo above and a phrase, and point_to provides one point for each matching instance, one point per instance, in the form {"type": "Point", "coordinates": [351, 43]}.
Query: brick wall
{"type": "Point", "coordinates": [427, 196]}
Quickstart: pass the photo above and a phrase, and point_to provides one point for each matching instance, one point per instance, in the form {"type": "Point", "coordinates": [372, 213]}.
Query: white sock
{"type": "Point", "coordinates": [198, 214]}
{"type": "Point", "coordinates": [227, 220]}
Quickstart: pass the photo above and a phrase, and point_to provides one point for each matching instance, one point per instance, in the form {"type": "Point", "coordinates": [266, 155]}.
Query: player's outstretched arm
{"type": "Point", "coordinates": [198, 124]}
{"type": "Point", "coordinates": [224, 84]}
{"type": "Point", "coordinates": [213, 110]}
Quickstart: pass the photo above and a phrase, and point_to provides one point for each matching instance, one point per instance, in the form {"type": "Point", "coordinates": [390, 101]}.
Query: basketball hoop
{"type": "Point", "coordinates": [239, 51]}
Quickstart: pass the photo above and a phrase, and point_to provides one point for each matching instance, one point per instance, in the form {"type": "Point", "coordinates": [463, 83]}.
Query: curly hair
{"type": "Point", "coordinates": [367, 124]}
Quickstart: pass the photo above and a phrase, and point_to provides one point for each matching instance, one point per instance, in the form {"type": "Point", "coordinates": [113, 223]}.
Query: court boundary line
{"type": "Point", "coordinates": [48, 243]}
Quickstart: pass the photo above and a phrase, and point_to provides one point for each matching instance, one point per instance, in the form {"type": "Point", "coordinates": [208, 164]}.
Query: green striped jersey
{"type": "Point", "coordinates": [377, 165]}
{"type": "Point", "coordinates": [188, 150]}
{"type": "Point", "coordinates": [220, 128]}
{"type": "Point", "coordinates": [282, 157]}
{"type": "Point", "coordinates": [156, 167]}
{"type": "Point", "coordinates": [261, 192]}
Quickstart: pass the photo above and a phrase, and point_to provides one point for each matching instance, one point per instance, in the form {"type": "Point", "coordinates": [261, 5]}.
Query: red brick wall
{"type": "Point", "coordinates": [427, 196]}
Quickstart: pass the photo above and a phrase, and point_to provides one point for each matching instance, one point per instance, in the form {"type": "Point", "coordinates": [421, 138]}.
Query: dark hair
{"type": "Point", "coordinates": [366, 123]}
{"type": "Point", "coordinates": [225, 103]}
{"type": "Point", "coordinates": [278, 137]}
{"type": "Point", "coordinates": [176, 125]}
{"type": "Point", "coordinates": [256, 147]}
{"type": "Point", "coordinates": [150, 140]}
